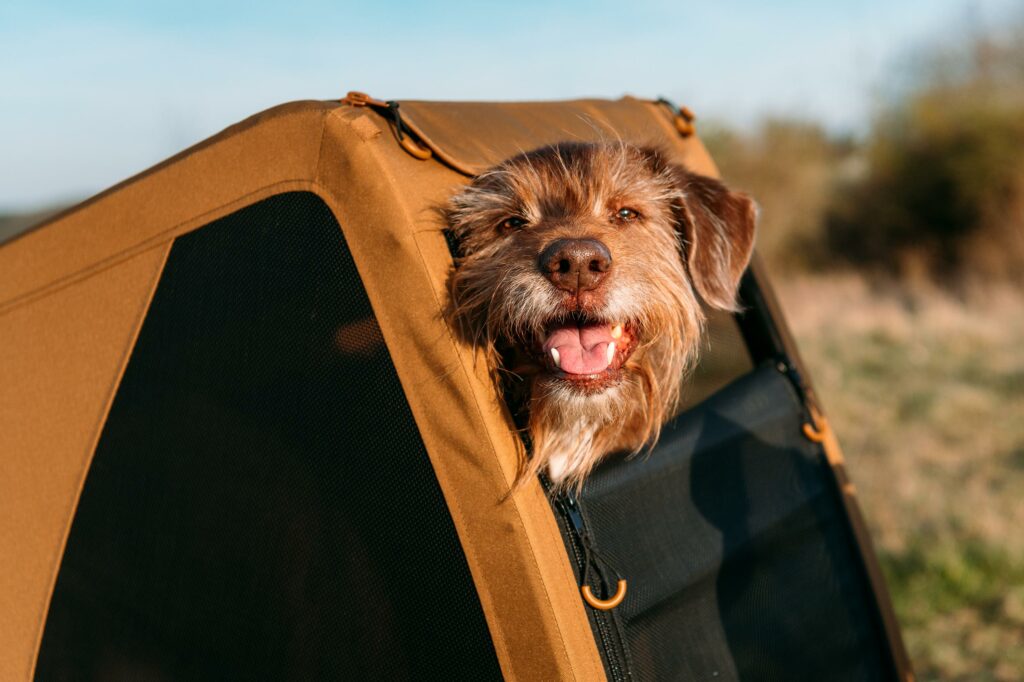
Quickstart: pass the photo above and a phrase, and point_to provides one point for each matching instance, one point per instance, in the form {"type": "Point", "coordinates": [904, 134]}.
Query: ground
{"type": "Point", "coordinates": [926, 392]}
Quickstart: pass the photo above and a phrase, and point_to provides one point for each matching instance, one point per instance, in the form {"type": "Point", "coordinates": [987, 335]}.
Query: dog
{"type": "Point", "coordinates": [581, 272]}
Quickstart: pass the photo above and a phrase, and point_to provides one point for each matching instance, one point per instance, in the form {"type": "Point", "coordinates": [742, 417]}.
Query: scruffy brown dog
{"type": "Point", "coordinates": [580, 270]}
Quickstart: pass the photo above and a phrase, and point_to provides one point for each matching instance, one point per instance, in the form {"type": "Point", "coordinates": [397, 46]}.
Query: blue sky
{"type": "Point", "coordinates": [92, 92]}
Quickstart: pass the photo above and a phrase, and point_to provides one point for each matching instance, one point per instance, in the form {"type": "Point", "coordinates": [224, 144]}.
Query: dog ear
{"type": "Point", "coordinates": [718, 229]}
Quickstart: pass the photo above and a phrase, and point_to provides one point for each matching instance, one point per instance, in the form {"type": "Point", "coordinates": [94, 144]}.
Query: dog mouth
{"type": "Point", "coordinates": [586, 352]}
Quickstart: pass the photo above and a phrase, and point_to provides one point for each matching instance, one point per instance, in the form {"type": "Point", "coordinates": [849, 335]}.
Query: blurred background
{"type": "Point", "coordinates": [884, 142]}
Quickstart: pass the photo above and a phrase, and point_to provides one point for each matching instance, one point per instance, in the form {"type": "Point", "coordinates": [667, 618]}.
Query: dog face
{"type": "Point", "coordinates": [582, 268]}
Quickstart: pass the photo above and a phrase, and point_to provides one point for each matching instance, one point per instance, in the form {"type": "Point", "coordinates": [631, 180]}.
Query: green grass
{"type": "Point", "coordinates": [961, 607]}
{"type": "Point", "coordinates": [929, 580]}
{"type": "Point", "coordinates": [926, 394]}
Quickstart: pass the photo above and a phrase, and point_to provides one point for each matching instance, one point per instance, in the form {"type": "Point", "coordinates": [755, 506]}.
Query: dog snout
{"type": "Point", "coordinates": [575, 264]}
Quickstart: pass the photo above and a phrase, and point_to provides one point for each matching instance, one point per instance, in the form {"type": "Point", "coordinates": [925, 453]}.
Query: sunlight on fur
{"type": "Point", "coordinates": [581, 272]}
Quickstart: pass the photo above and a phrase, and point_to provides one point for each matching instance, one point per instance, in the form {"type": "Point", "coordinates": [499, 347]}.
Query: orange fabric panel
{"type": "Point", "coordinates": [498, 131]}
{"type": "Point", "coordinates": [513, 547]}
{"type": "Point", "coordinates": [61, 361]}
{"type": "Point", "coordinates": [80, 282]}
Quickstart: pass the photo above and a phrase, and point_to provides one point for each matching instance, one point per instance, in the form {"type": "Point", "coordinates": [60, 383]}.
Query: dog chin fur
{"type": "Point", "coordinates": [569, 426]}
{"type": "Point", "coordinates": [690, 240]}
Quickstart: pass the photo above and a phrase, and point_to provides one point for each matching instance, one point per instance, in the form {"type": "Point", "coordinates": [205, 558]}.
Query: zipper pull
{"type": "Point", "coordinates": [575, 515]}
{"type": "Point", "coordinates": [682, 117]}
{"type": "Point", "coordinates": [402, 132]}
{"type": "Point", "coordinates": [572, 510]}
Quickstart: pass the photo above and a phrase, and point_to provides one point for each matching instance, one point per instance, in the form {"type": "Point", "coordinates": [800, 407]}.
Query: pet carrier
{"type": "Point", "coordinates": [238, 441]}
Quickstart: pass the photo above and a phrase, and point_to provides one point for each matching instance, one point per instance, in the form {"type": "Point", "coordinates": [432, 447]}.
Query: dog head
{"type": "Point", "coordinates": [582, 266]}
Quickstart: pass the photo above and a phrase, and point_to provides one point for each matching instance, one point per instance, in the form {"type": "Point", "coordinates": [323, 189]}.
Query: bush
{"type": "Point", "coordinates": [789, 168]}
{"type": "Point", "coordinates": [942, 190]}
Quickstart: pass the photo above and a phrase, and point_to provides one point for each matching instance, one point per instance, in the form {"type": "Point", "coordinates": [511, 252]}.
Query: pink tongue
{"type": "Point", "coordinates": [581, 350]}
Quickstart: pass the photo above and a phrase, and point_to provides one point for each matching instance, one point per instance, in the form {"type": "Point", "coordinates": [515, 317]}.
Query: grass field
{"type": "Point", "coordinates": [926, 392]}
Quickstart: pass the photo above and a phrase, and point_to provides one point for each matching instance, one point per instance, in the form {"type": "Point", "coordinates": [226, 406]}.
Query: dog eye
{"type": "Point", "coordinates": [626, 215]}
{"type": "Point", "coordinates": [513, 223]}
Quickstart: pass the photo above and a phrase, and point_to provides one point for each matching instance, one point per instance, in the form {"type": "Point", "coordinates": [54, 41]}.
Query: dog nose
{"type": "Point", "coordinates": [575, 264]}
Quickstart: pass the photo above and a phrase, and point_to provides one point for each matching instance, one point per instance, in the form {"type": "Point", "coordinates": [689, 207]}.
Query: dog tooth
{"type": "Point", "coordinates": [617, 331]}
{"type": "Point", "coordinates": [554, 356]}
{"type": "Point", "coordinates": [611, 352]}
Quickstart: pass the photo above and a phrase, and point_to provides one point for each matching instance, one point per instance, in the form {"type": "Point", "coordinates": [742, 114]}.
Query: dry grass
{"type": "Point", "coordinates": [926, 392]}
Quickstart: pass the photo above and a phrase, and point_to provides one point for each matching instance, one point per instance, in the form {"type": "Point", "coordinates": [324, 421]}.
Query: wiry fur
{"type": "Point", "coordinates": [693, 238]}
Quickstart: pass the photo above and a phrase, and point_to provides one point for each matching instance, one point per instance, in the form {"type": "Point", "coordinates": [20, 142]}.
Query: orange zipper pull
{"type": "Point", "coordinates": [402, 134]}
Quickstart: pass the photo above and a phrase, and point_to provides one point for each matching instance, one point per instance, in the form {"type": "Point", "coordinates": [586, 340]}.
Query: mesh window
{"type": "Point", "coordinates": [723, 358]}
{"type": "Point", "coordinates": [261, 505]}
{"type": "Point", "coordinates": [739, 556]}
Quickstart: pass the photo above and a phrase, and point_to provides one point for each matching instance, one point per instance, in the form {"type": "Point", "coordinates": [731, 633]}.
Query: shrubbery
{"type": "Point", "coordinates": [936, 189]}
{"type": "Point", "coordinates": [943, 188]}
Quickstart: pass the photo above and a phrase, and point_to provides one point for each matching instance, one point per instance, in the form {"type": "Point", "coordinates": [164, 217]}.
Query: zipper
{"type": "Point", "coordinates": [786, 368]}
{"type": "Point", "coordinates": [609, 628]}
{"type": "Point", "coordinates": [810, 412]}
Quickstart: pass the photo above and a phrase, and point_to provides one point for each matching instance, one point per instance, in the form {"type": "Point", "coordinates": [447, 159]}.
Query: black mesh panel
{"type": "Point", "coordinates": [723, 358]}
{"type": "Point", "coordinates": [739, 557]}
{"type": "Point", "coordinates": [261, 505]}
